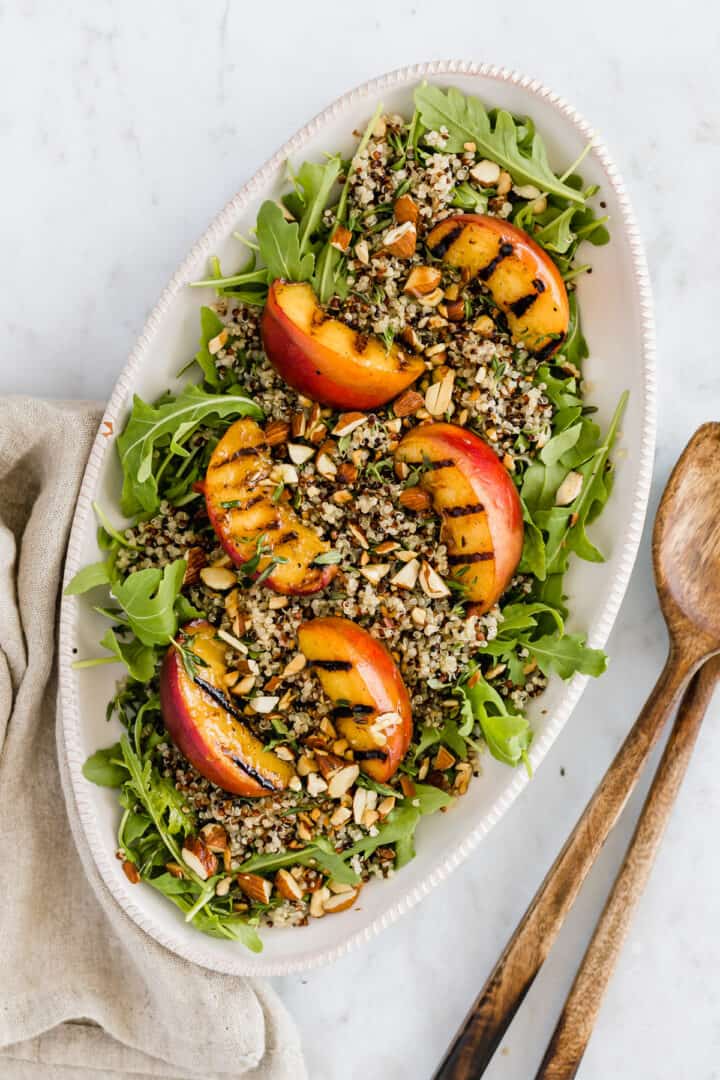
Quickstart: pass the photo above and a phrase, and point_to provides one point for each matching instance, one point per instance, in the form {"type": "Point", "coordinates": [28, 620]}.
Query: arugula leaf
{"type": "Point", "coordinates": [148, 599]}
{"type": "Point", "coordinates": [320, 852]}
{"type": "Point", "coordinates": [167, 426]}
{"type": "Point", "coordinates": [575, 347]}
{"type": "Point", "coordinates": [106, 768]}
{"type": "Point", "coordinates": [328, 280]}
{"type": "Point", "coordinates": [466, 197]}
{"type": "Point", "coordinates": [313, 185]}
{"type": "Point", "coordinates": [88, 578]}
{"type": "Point", "coordinates": [566, 654]}
{"type": "Point", "coordinates": [137, 657]}
{"type": "Point", "coordinates": [279, 242]}
{"type": "Point", "coordinates": [211, 325]}
{"type": "Point", "coordinates": [507, 734]}
{"type": "Point", "coordinates": [532, 560]}
{"type": "Point", "coordinates": [467, 120]}
{"type": "Point", "coordinates": [448, 734]}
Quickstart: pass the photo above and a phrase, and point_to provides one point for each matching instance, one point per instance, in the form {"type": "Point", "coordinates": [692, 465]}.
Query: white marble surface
{"type": "Point", "coordinates": [124, 127]}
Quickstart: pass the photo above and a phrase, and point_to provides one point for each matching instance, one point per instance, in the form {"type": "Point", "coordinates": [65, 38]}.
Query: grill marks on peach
{"type": "Point", "coordinates": [523, 281]}
{"type": "Point", "coordinates": [208, 728]}
{"type": "Point", "coordinates": [478, 505]}
{"type": "Point", "coordinates": [371, 705]}
{"type": "Point", "coordinates": [239, 496]}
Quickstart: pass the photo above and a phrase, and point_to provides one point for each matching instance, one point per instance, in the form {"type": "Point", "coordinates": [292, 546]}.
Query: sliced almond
{"type": "Point", "coordinates": [197, 855]}
{"type": "Point", "coordinates": [255, 887]}
{"type": "Point", "coordinates": [299, 453]}
{"type": "Point", "coordinates": [284, 473]}
{"type": "Point", "coordinates": [406, 209]}
{"type": "Point", "coordinates": [342, 781]}
{"type": "Point", "coordinates": [408, 403]}
{"type": "Point", "coordinates": [422, 280]}
{"type": "Point", "coordinates": [315, 784]}
{"type": "Point", "coordinates": [359, 805]}
{"type": "Point", "coordinates": [504, 184]}
{"type": "Point", "coordinates": [527, 191]}
{"type": "Point", "coordinates": [486, 173]}
{"type": "Point", "coordinates": [306, 765]}
{"type": "Point", "coordinates": [443, 759]}
{"type": "Point", "coordinates": [341, 238]}
{"type": "Point", "coordinates": [407, 577]}
{"type": "Point", "coordinates": [387, 804]}
{"type": "Point", "coordinates": [569, 490]}
{"type": "Point", "coordinates": [287, 886]}
{"type": "Point", "coordinates": [341, 816]}
{"type": "Point", "coordinates": [276, 432]}
{"type": "Point", "coordinates": [401, 240]}
{"type": "Point", "coordinates": [369, 818]}
{"type": "Point", "coordinates": [407, 786]}
{"type": "Point", "coordinates": [340, 902]}
{"type": "Point", "coordinates": [285, 753]}
{"type": "Point", "coordinates": [432, 299]}
{"type": "Point", "coordinates": [329, 763]}
{"type": "Point", "coordinates": [215, 837]}
{"type": "Point", "coordinates": [375, 572]}
{"type": "Point", "coordinates": [195, 560]}
{"type": "Point", "coordinates": [326, 466]}
{"type": "Point", "coordinates": [439, 395]}
{"type": "Point", "coordinates": [294, 666]}
{"type": "Point", "coordinates": [232, 641]}
{"type": "Point", "coordinates": [418, 616]}
{"type": "Point", "coordinates": [276, 603]}
{"type": "Point", "coordinates": [362, 252]}
{"type": "Point", "coordinates": [218, 578]}
{"type": "Point", "coordinates": [218, 342]}
{"type": "Point", "coordinates": [244, 686]}
{"type": "Point", "coordinates": [348, 422]}
{"type": "Point", "coordinates": [431, 583]}
{"type": "Point", "coordinates": [264, 703]}
{"type": "Point", "coordinates": [386, 547]}
{"type": "Point", "coordinates": [415, 498]}
{"type": "Point", "coordinates": [358, 536]}
{"type": "Point", "coordinates": [223, 886]}
{"type": "Point", "coordinates": [317, 902]}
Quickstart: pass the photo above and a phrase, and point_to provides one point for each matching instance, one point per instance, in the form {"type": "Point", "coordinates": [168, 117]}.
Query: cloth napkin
{"type": "Point", "coordinates": [81, 986]}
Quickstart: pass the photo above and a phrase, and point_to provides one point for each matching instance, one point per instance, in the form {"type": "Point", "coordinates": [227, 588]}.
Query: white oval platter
{"type": "Point", "coordinates": [617, 319]}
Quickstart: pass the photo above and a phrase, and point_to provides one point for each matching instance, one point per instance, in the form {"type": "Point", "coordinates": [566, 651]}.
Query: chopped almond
{"type": "Point", "coordinates": [341, 238]}
{"type": "Point", "coordinates": [255, 887]}
{"type": "Point", "coordinates": [406, 209]}
{"type": "Point", "coordinates": [422, 280]}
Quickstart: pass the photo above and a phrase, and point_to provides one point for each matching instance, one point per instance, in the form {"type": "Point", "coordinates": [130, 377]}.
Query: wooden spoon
{"type": "Point", "coordinates": [577, 1020]}
{"type": "Point", "coordinates": [686, 558]}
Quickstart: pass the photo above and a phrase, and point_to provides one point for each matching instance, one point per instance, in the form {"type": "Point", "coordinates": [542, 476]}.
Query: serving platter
{"type": "Point", "coordinates": [617, 319]}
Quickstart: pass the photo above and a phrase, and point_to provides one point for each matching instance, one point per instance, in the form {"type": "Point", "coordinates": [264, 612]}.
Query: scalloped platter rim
{"type": "Point", "coordinates": [617, 312]}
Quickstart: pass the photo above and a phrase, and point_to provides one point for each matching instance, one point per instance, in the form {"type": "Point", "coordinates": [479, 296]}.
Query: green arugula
{"type": "Point", "coordinates": [279, 242]}
{"type": "Point", "coordinates": [162, 429]}
{"type": "Point", "coordinates": [508, 735]}
{"type": "Point", "coordinates": [106, 768]}
{"type": "Point", "coordinates": [467, 120]}
{"type": "Point", "coordinates": [328, 279]}
{"type": "Point", "coordinates": [148, 599]}
{"type": "Point", "coordinates": [89, 577]}
{"type": "Point", "coordinates": [211, 325]}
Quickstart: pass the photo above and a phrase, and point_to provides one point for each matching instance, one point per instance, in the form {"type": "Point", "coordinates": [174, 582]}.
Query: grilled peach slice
{"type": "Point", "coordinates": [207, 727]}
{"type": "Point", "coordinates": [371, 703]}
{"type": "Point", "coordinates": [239, 498]}
{"type": "Point", "coordinates": [482, 523]}
{"type": "Point", "coordinates": [326, 360]}
{"type": "Point", "coordinates": [523, 281]}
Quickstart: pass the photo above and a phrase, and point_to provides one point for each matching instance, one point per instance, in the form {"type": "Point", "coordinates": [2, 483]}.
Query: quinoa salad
{"type": "Point", "coordinates": [340, 578]}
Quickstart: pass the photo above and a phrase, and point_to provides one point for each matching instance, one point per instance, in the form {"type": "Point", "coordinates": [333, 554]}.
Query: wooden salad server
{"type": "Point", "coordinates": [686, 558]}
{"type": "Point", "coordinates": [577, 1020]}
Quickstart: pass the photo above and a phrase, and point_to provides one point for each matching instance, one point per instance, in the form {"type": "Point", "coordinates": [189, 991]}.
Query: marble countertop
{"type": "Point", "coordinates": [124, 128]}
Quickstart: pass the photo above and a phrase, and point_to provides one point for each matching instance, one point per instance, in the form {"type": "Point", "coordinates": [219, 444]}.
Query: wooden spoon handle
{"type": "Point", "coordinates": [575, 1026]}
{"type": "Point", "coordinates": [525, 953]}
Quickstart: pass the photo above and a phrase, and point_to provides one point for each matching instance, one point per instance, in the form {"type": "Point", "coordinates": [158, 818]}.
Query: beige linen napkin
{"type": "Point", "coordinates": [81, 986]}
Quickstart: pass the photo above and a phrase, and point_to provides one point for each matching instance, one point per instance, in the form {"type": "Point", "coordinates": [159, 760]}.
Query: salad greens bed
{"type": "Point", "coordinates": [164, 451]}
